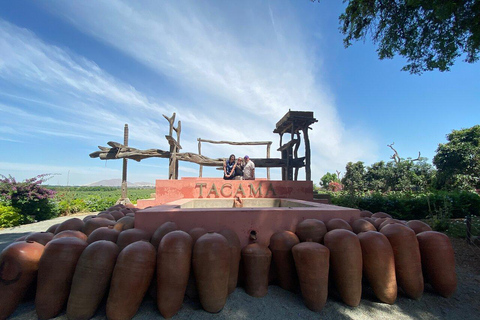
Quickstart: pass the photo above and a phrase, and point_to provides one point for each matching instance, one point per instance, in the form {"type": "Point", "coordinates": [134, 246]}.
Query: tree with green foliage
{"type": "Point", "coordinates": [354, 178]}
{"type": "Point", "coordinates": [458, 160]}
{"type": "Point", "coordinates": [431, 35]}
{"type": "Point", "coordinates": [327, 178]}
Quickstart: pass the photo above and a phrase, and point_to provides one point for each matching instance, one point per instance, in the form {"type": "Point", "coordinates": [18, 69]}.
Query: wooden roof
{"type": "Point", "coordinates": [297, 119]}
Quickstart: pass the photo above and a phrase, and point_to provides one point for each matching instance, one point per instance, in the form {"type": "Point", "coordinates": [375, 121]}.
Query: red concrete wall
{"type": "Point", "coordinates": [171, 190]}
{"type": "Point", "coordinates": [266, 221]}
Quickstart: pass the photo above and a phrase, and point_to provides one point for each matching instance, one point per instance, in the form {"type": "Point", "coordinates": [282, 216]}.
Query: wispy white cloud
{"type": "Point", "coordinates": [237, 71]}
{"type": "Point", "coordinates": [249, 79]}
{"type": "Point", "coordinates": [71, 96]}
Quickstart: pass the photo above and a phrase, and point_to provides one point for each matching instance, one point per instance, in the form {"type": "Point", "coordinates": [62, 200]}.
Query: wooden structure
{"type": "Point", "coordinates": [124, 197]}
{"type": "Point", "coordinates": [254, 143]}
{"type": "Point", "coordinates": [174, 147]}
{"type": "Point", "coordinates": [293, 123]}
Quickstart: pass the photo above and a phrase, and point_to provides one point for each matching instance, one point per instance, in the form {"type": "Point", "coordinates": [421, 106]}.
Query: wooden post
{"type": "Point", "coordinates": [295, 152]}
{"type": "Point", "coordinates": [200, 171]}
{"type": "Point", "coordinates": [172, 160]}
{"type": "Point", "coordinates": [124, 172]}
{"type": "Point", "coordinates": [124, 196]}
{"type": "Point", "coordinates": [178, 130]}
{"type": "Point", "coordinates": [308, 170]}
{"type": "Point", "coordinates": [469, 228]}
{"type": "Point", "coordinates": [268, 157]}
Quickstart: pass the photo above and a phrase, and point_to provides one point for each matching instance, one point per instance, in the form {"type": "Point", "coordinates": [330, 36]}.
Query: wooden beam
{"type": "Point", "coordinates": [288, 145]}
{"type": "Point", "coordinates": [246, 143]}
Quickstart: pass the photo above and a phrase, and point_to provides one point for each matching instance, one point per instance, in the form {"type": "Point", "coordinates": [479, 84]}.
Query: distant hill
{"type": "Point", "coordinates": [118, 183]}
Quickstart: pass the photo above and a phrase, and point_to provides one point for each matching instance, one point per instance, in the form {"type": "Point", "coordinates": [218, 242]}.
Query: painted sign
{"type": "Point", "coordinates": [171, 190]}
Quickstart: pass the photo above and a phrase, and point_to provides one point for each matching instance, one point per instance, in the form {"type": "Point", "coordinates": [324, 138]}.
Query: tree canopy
{"type": "Point", "coordinates": [429, 34]}
{"type": "Point", "coordinates": [458, 160]}
{"type": "Point", "coordinates": [327, 178]}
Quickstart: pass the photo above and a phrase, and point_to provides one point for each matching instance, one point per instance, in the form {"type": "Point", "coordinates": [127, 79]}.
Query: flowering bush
{"type": "Point", "coordinates": [31, 199]}
{"type": "Point", "coordinates": [335, 186]}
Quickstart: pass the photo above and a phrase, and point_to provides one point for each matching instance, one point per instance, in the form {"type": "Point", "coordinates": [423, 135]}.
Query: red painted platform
{"type": "Point", "coordinates": [264, 220]}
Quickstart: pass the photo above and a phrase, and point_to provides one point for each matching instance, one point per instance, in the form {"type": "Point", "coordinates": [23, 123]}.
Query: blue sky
{"type": "Point", "coordinates": [72, 73]}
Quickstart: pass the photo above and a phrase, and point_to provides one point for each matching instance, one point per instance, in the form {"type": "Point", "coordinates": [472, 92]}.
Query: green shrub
{"type": "Point", "coordinates": [437, 205]}
{"type": "Point", "coordinates": [99, 203]}
{"type": "Point", "coordinates": [69, 206]}
{"type": "Point", "coordinates": [11, 217]}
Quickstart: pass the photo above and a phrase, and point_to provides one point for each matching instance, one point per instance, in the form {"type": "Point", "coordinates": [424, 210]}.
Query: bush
{"type": "Point", "coordinates": [98, 203]}
{"type": "Point", "coordinates": [413, 205]}
{"type": "Point", "coordinates": [31, 199]}
{"type": "Point", "coordinates": [11, 217]}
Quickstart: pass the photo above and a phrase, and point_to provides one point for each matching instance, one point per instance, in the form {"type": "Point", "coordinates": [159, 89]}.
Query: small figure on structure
{"type": "Point", "coordinates": [239, 169]}
{"type": "Point", "coordinates": [229, 168]}
{"type": "Point", "coordinates": [237, 203]}
{"type": "Point", "coordinates": [249, 169]}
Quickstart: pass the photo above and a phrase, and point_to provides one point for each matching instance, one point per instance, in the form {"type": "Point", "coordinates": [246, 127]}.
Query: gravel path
{"type": "Point", "coordinates": [281, 304]}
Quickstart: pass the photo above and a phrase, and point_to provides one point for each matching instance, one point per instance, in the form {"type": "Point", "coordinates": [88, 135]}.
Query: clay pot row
{"type": "Point", "coordinates": [394, 253]}
{"type": "Point", "coordinates": [212, 261]}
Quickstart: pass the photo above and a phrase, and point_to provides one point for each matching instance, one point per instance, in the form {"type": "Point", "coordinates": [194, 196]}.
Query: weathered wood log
{"type": "Point", "coordinates": [119, 151]}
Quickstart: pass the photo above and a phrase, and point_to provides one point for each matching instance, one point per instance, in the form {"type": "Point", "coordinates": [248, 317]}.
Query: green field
{"type": "Point", "coordinates": [91, 199]}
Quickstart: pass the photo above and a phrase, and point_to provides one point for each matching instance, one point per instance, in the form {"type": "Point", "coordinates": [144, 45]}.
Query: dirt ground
{"type": "Point", "coordinates": [281, 304]}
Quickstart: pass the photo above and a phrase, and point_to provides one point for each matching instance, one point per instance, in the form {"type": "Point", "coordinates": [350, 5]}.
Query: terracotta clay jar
{"type": "Point", "coordinates": [312, 264]}
{"type": "Point", "coordinates": [418, 226]}
{"type": "Point", "coordinates": [40, 237]}
{"type": "Point", "coordinates": [116, 207]}
{"type": "Point", "coordinates": [346, 264]}
{"type": "Point", "coordinates": [378, 222]}
{"type": "Point", "coordinates": [91, 278]}
{"type": "Point", "coordinates": [390, 221]}
{"type": "Point", "coordinates": [371, 220]}
{"type": "Point", "coordinates": [131, 277]}
{"type": "Point", "coordinates": [196, 233]}
{"type": "Point", "coordinates": [408, 266]}
{"type": "Point", "coordinates": [18, 269]}
{"type": "Point", "coordinates": [70, 224]}
{"type": "Point", "coordinates": [95, 223]}
{"type": "Point", "coordinates": [256, 263]}
{"type": "Point", "coordinates": [365, 214]}
{"type": "Point", "coordinates": [312, 229]}
{"type": "Point", "coordinates": [126, 210]}
{"type": "Point", "coordinates": [235, 256]}
{"type": "Point", "coordinates": [106, 215]}
{"type": "Point", "coordinates": [117, 214]}
{"type": "Point", "coordinates": [52, 228]}
{"type": "Point", "coordinates": [71, 233]}
{"type": "Point", "coordinates": [381, 215]}
{"type": "Point", "coordinates": [281, 244]}
{"type": "Point", "coordinates": [161, 231]}
{"type": "Point", "coordinates": [438, 262]}
{"type": "Point", "coordinates": [130, 236]}
{"type": "Point", "coordinates": [192, 293]}
{"type": "Point", "coordinates": [125, 223]}
{"type": "Point", "coordinates": [173, 268]}
{"type": "Point", "coordinates": [379, 265]}
{"type": "Point", "coordinates": [104, 233]}
{"type": "Point", "coordinates": [362, 225]}
{"type": "Point", "coordinates": [22, 238]}
{"type": "Point", "coordinates": [336, 223]}
{"type": "Point", "coordinates": [89, 217]}
{"type": "Point", "coordinates": [155, 241]}
{"type": "Point", "coordinates": [55, 273]}
{"type": "Point", "coordinates": [211, 264]}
